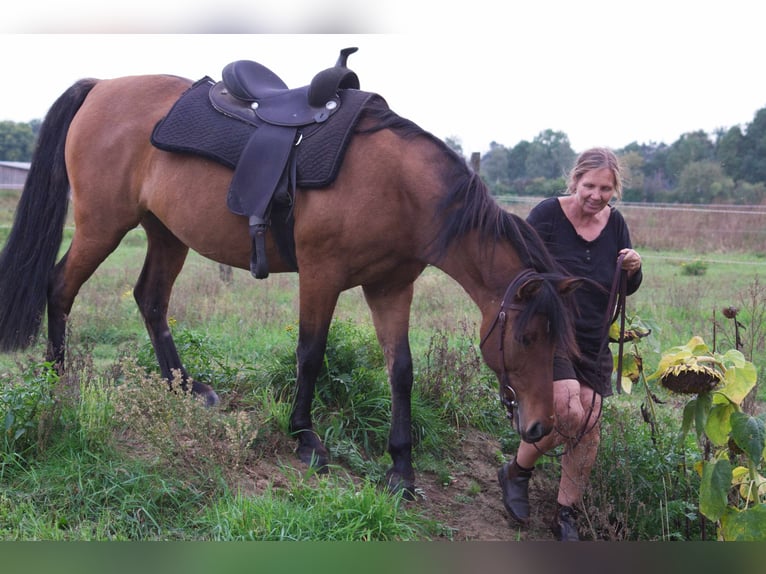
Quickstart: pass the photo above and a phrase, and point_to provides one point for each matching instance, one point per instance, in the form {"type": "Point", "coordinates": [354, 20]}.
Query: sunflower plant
{"type": "Point", "coordinates": [732, 488]}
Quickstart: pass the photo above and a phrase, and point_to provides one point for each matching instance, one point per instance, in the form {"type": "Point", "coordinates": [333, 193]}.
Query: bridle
{"type": "Point", "coordinates": [509, 303]}
{"type": "Point", "coordinates": [615, 309]}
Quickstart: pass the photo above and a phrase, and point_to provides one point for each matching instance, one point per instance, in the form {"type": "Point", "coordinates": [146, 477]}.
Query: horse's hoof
{"type": "Point", "coordinates": [206, 393]}
{"type": "Point", "coordinates": [313, 459]}
{"type": "Point", "coordinates": [397, 484]}
{"type": "Point", "coordinates": [211, 399]}
{"type": "Point", "coordinates": [408, 493]}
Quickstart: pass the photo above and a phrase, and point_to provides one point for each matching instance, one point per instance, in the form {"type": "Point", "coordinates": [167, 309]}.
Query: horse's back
{"type": "Point", "coordinates": [118, 176]}
{"type": "Point", "coordinates": [122, 110]}
{"type": "Point", "coordinates": [114, 125]}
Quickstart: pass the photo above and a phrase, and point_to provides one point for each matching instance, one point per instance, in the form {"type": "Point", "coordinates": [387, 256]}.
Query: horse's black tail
{"type": "Point", "coordinates": [34, 241]}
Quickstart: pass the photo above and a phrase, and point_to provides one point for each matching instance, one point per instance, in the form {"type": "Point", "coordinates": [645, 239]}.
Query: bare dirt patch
{"type": "Point", "coordinates": [470, 506]}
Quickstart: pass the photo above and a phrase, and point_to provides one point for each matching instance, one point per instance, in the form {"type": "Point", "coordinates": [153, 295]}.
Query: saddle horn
{"type": "Point", "coordinates": [343, 58]}
{"type": "Point", "coordinates": [327, 82]}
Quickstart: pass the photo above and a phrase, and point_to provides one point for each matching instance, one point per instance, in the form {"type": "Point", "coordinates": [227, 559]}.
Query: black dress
{"type": "Point", "coordinates": [597, 261]}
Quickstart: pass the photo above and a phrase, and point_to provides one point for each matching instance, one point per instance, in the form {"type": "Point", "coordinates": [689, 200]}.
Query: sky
{"type": "Point", "coordinates": [603, 72]}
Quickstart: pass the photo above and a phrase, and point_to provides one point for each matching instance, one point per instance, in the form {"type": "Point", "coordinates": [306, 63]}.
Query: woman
{"type": "Point", "coordinates": [586, 235]}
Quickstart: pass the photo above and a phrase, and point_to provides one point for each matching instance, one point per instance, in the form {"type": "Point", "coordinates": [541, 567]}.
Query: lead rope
{"type": "Point", "coordinates": [616, 307]}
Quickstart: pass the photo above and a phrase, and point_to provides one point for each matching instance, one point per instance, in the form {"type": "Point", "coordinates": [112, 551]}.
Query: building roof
{"type": "Point", "coordinates": [16, 164]}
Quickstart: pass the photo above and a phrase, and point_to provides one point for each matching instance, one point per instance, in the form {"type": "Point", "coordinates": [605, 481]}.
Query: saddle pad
{"type": "Point", "coordinates": [194, 126]}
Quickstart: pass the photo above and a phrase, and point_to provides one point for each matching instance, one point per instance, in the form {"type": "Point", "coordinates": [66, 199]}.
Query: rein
{"type": "Point", "coordinates": [501, 320]}
{"type": "Point", "coordinates": [616, 308]}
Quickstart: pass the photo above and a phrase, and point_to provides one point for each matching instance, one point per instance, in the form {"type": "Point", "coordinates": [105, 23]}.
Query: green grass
{"type": "Point", "coordinates": [681, 305]}
{"type": "Point", "coordinates": [110, 460]}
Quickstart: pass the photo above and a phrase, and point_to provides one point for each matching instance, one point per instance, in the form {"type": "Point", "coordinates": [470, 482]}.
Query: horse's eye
{"type": "Point", "coordinates": [526, 340]}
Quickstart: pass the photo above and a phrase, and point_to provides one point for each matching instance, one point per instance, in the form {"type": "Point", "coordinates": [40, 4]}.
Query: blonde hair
{"type": "Point", "coordinates": [596, 158]}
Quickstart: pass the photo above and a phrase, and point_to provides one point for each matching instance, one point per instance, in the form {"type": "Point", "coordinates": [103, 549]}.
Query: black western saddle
{"type": "Point", "coordinates": [252, 122]}
{"type": "Point", "coordinates": [253, 93]}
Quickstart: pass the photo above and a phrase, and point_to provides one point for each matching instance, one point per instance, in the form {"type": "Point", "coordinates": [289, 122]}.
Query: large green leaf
{"type": "Point", "coordinates": [739, 381]}
{"type": "Point", "coordinates": [734, 358]}
{"type": "Point", "coordinates": [714, 488]}
{"type": "Point", "coordinates": [688, 419]}
{"type": "Point", "coordinates": [744, 525]}
{"type": "Point", "coordinates": [704, 401]}
{"type": "Point", "coordinates": [749, 433]}
{"type": "Point", "coordinates": [631, 371]}
{"type": "Point", "coordinates": [718, 425]}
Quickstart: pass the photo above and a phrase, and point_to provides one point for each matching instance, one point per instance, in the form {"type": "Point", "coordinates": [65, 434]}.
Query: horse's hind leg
{"type": "Point", "coordinates": [165, 257]}
{"type": "Point", "coordinates": [82, 258]}
{"type": "Point", "coordinates": [390, 309]}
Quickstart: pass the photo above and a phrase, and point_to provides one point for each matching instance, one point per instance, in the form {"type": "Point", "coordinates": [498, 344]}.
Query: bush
{"type": "Point", "coordinates": [27, 408]}
{"type": "Point", "coordinates": [695, 268]}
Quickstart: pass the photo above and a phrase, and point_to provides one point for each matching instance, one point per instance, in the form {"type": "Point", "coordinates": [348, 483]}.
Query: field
{"type": "Point", "coordinates": [117, 457]}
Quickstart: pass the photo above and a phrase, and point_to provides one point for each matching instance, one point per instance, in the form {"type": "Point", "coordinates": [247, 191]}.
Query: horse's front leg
{"type": "Point", "coordinates": [391, 315]}
{"type": "Point", "coordinates": [316, 310]}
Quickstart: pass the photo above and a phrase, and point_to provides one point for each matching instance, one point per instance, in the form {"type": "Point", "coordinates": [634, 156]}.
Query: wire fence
{"type": "Point", "coordinates": [701, 229]}
{"type": "Point", "coordinates": [708, 231]}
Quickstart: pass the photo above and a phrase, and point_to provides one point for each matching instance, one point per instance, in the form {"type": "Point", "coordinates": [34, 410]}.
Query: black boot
{"type": "Point", "coordinates": [514, 482]}
{"type": "Point", "coordinates": [564, 524]}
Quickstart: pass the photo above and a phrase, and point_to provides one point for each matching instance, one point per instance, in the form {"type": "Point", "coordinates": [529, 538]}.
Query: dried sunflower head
{"type": "Point", "coordinates": [690, 379]}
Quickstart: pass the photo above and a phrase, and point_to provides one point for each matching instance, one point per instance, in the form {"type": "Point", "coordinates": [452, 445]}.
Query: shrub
{"type": "Point", "coordinates": [695, 268]}
{"type": "Point", "coordinates": [28, 408]}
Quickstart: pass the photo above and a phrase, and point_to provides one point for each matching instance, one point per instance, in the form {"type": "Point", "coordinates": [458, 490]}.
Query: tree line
{"type": "Point", "coordinates": [726, 167]}
{"type": "Point", "coordinates": [17, 140]}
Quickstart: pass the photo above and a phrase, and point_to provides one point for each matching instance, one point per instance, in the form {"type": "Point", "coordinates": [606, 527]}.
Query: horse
{"type": "Point", "coordinates": [402, 200]}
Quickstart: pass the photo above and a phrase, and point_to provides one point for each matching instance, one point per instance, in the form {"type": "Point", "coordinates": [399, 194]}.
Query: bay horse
{"type": "Point", "coordinates": [402, 201]}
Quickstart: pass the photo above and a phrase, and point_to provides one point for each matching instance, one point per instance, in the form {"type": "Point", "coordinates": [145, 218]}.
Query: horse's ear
{"type": "Point", "coordinates": [569, 285]}
{"type": "Point", "coordinates": [529, 289]}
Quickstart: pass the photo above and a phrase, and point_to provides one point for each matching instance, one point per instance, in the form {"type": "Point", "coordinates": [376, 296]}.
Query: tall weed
{"type": "Point", "coordinates": [28, 409]}
{"type": "Point", "coordinates": [178, 430]}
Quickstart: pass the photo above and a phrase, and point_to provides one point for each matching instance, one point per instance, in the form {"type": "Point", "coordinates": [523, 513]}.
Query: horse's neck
{"type": "Point", "coordinates": [483, 271]}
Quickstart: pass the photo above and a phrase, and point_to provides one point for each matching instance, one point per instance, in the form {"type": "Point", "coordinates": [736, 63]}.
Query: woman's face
{"type": "Point", "coordinates": [594, 190]}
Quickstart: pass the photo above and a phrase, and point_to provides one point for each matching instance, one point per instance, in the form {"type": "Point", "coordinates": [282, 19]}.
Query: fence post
{"type": "Point", "coordinates": [476, 161]}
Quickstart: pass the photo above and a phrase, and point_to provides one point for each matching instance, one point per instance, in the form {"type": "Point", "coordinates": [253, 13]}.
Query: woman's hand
{"type": "Point", "coordinates": [632, 261]}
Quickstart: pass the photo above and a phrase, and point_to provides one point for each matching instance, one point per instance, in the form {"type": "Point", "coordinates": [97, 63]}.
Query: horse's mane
{"type": "Point", "coordinates": [468, 206]}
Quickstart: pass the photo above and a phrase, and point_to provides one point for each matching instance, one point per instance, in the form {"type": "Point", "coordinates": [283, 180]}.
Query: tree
{"type": "Point", "coordinates": [704, 182]}
{"type": "Point", "coordinates": [633, 177]}
{"type": "Point", "coordinates": [517, 160]}
{"type": "Point", "coordinates": [746, 193]}
{"type": "Point", "coordinates": [753, 167]}
{"type": "Point", "coordinates": [690, 147]}
{"type": "Point", "coordinates": [550, 155]}
{"type": "Point", "coordinates": [17, 141]}
{"type": "Point", "coordinates": [729, 150]}
{"type": "Point", "coordinates": [494, 168]}
{"type": "Point", "coordinates": [655, 183]}
{"type": "Point", "coordinates": [455, 143]}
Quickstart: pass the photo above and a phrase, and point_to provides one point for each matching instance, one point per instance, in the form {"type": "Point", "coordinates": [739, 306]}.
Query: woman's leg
{"type": "Point", "coordinates": [576, 464]}
{"type": "Point", "coordinates": [568, 409]}
{"type": "Point", "coordinates": [580, 454]}
{"type": "Point", "coordinates": [514, 475]}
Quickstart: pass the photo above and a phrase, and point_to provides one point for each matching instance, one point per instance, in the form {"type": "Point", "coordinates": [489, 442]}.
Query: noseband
{"type": "Point", "coordinates": [509, 303]}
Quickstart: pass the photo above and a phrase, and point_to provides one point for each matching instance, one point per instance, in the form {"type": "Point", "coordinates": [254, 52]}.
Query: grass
{"type": "Point", "coordinates": [108, 454]}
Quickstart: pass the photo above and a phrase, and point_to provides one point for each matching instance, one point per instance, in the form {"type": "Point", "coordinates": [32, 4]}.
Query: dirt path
{"type": "Point", "coordinates": [470, 506]}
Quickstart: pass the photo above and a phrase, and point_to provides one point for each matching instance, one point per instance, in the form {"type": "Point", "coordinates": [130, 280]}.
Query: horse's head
{"type": "Point", "coordinates": [532, 324]}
